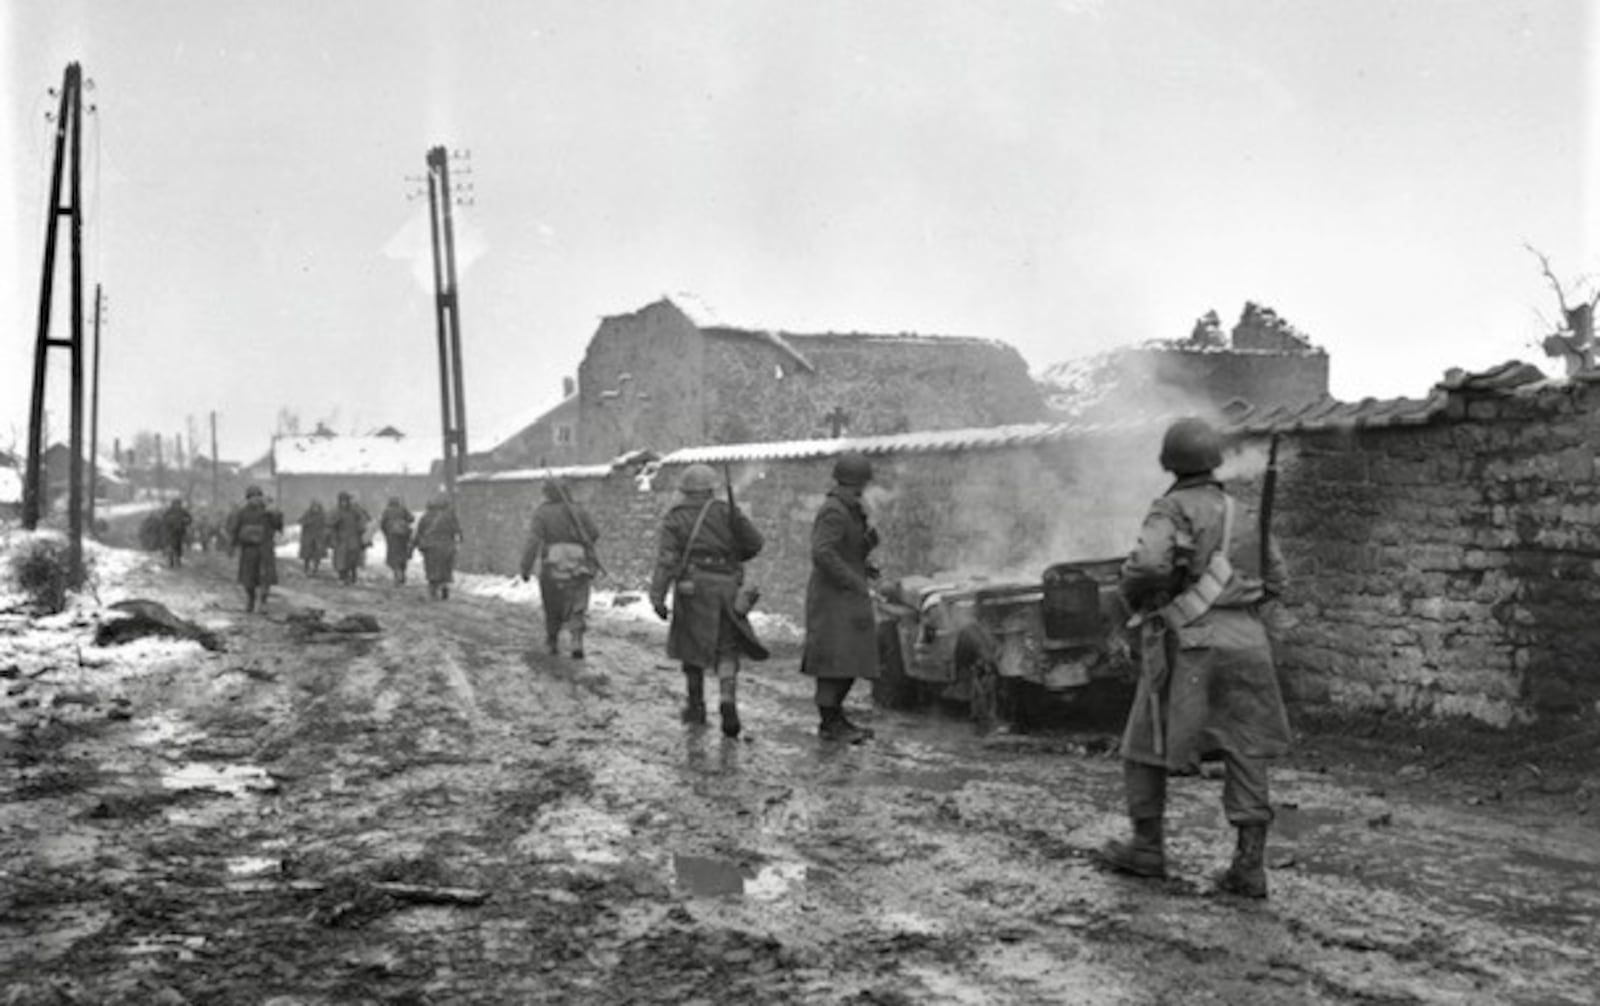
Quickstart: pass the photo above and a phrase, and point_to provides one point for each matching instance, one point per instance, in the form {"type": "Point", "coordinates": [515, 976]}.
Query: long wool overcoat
{"type": "Point", "coordinates": [438, 535]}
{"type": "Point", "coordinates": [396, 523]}
{"type": "Point", "coordinates": [347, 528]}
{"type": "Point", "coordinates": [258, 565]}
{"type": "Point", "coordinates": [1209, 686]}
{"type": "Point", "coordinates": [314, 533]}
{"type": "Point", "coordinates": [841, 627]}
{"type": "Point", "coordinates": [704, 622]}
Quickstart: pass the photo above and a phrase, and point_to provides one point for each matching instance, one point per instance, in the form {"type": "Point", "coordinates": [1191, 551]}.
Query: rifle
{"type": "Point", "coordinates": [727, 481]}
{"type": "Point", "coordinates": [577, 523]}
{"type": "Point", "coordinates": [1269, 489]}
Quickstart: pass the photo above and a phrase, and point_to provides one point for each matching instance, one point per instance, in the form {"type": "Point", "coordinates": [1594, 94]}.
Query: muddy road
{"type": "Point", "coordinates": [438, 812]}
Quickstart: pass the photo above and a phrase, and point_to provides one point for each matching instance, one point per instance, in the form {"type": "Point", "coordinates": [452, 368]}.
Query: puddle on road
{"type": "Point", "coordinates": [710, 877]}
{"type": "Point", "coordinates": [234, 780]}
{"type": "Point", "coordinates": [253, 866]}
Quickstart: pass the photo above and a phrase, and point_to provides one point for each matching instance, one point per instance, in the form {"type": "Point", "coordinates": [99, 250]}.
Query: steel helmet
{"type": "Point", "coordinates": [697, 479]}
{"type": "Point", "coordinates": [1191, 446]}
{"type": "Point", "coordinates": [852, 469]}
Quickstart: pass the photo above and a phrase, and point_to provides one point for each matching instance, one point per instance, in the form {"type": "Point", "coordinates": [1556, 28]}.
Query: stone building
{"type": "Point", "coordinates": [659, 379]}
{"type": "Point", "coordinates": [1262, 363]}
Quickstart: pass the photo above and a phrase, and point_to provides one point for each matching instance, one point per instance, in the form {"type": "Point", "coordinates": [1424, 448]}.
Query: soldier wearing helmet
{"type": "Point", "coordinates": [437, 538]}
{"type": "Point", "coordinates": [701, 550]}
{"type": "Point", "coordinates": [396, 522]}
{"type": "Point", "coordinates": [251, 529]}
{"type": "Point", "coordinates": [1207, 686]}
{"type": "Point", "coordinates": [841, 631]}
{"type": "Point", "coordinates": [347, 527]}
{"type": "Point", "coordinates": [561, 546]}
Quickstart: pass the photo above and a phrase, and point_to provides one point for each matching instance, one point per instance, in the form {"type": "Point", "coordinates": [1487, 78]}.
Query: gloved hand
{"type": "Point", "coordinates": [661, 610]}
{"type": "Point", "coordinates": [524, 578]}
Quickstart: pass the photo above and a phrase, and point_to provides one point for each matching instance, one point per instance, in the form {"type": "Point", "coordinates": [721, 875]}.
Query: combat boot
{"type": "Point", "coordinates": [577, 644]}
{"type": "Point", "coordinates": [1246, 876]}
{"type": "Point", "coordinates": [249, 600]}
{"type": "Point", "coordinates": [694, 709]}
{"type": "Point", "coordinates": [862, 733]}
{"type": "Point", "coordinates": [1145, 856]}
{"type": "Point", "coordinates": [552, 643]}
{"type": "Point", "coordinates": [834, 727]}
{"type": "Point", "coordinates": [730, 719]}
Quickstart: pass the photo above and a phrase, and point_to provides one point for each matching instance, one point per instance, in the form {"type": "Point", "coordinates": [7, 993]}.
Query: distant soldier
{"type": "Point", "coordinates": [396, 522]}
{"type": "Point", "coordinates": [175, 523]}
{"type": "Point", "coordinates": [1207, 686]}
{"type": "Point", "coordinates": [313, 538]}
{"type": "Point", "coordinates": [701, 550]}
{"type": "Point", "coordinates": [560, 546]}
{"type": "Point", "coordinates": [438, 534]}
{"type": "Point", "coordinates": [347, 527]}
{"type": "Point", "coordinates": [251, 530]}
{"type": "Point", "coordinates": [841, 629]}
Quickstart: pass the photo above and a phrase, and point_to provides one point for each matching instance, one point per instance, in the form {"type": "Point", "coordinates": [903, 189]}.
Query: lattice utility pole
{"type": "Point", "coordinates": [69, 126]}
{"type": "Point", "coordinates": [447, 308]}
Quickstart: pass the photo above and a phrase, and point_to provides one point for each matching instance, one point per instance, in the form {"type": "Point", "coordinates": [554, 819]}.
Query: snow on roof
{"type": "Point", "coordinates": [355, 456]}
{"type": "Point", "coordinates": [514, 424]}
{"type": "Point", "coordinates": [10, 485]}
{"type": "Point", "coordinates": [572, 472]}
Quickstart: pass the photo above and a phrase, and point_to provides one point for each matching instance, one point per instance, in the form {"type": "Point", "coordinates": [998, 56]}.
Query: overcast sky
{"type": "Point", "coordinates": [1065, 176]}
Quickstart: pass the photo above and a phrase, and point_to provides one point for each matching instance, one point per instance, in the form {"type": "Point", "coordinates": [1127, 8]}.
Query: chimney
{"type": "Point", "coordinates": [569, 387]}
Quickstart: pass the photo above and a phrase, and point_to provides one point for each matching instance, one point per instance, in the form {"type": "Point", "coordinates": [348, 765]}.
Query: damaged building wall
{"type": "Point", "coordinates": [797, 387]}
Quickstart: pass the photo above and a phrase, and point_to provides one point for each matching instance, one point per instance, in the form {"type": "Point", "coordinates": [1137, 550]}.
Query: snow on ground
{"type": "Point", "coordinates": [53, 650]}
{"type": "Point", "coordinates": [611, 605]}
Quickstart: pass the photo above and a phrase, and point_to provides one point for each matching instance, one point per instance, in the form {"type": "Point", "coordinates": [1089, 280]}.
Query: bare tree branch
{"type": "Point", "coordinates": [1544, 263]}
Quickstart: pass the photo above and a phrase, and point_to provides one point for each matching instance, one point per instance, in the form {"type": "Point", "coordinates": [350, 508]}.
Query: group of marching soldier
{"type": "Point", "coordinates": [1196, 582]}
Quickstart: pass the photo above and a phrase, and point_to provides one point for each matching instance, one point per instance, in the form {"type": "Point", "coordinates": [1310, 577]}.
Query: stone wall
{"type": "Point", "coordinates": [1455, 567]}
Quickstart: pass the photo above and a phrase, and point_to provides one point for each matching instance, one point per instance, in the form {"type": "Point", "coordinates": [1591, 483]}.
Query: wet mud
{"type": "Point", "coordinates": [440, 812]}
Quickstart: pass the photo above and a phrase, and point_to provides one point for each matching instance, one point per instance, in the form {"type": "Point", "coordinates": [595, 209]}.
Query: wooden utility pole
{"type": "Point", "coordinates": [447, 309]}
{"type": "Point", "coordinates": [69, 133]}
{"type": "Point", "coordinates": [94, 410]}
{"type": "Point", "coordinates": [213, 460]}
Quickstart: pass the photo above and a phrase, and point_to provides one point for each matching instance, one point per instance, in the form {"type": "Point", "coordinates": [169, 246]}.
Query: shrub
{"type": "Point", "coordinates": [41, 565]}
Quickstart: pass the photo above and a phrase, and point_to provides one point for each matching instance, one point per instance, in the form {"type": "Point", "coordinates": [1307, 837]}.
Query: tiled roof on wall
{"type": "Point", "coordinates": [1332, 414]}
{"type": "Point", "coordinates": [539, 474]}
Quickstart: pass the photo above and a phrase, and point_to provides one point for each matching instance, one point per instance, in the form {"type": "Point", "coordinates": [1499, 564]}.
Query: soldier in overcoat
{"type": "Point", "coordinates": [175, 521]}
{"type": "Point", "coordinates": [251, 530]}
{"type": "Point", "coordinates": [313, 537]}
{"type": "Point", "coordinates": [438, 535]}
{"type": "Point", "coordinates": [347, 527]}
{"type": "Point", "coordinates": [1207, 689]}
{"type": "Point", "coordinates": [701, 550]}
{"type": "Point", "coordinates": [560, 546]}
{"type": "Point", "coordinates": [841, 634]}
{"type": "Point", "coordinates": [396, 522]}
